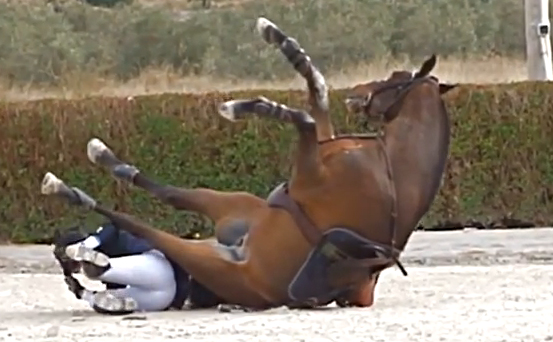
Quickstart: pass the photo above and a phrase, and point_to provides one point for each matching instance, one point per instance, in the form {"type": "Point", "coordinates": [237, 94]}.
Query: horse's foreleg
{"type": "Point", "coordinates": [216, 267]}
{"type": "Point", "coordinates": [217, 205]}
{"type": "Point", "coordinates": [307, 166]}
{"type": "Point", "coordinates": [295, 54]}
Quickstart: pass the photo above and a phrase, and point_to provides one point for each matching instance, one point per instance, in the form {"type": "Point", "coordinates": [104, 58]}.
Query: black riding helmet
{"type": "Point", "coordinates": [62, 239]}
{"type": "Point", "coordinates": [68, 236]}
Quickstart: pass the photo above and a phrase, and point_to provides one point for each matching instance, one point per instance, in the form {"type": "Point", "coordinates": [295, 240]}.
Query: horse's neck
{"type": "Point", "coordinates": [426, 138]}
{"type": "Point", "coordinates": [418, 152]}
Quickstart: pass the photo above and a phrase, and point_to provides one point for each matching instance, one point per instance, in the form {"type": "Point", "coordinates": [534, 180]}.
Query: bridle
{"type": "Point", "coordinates": [389, 254]}
{"type": "Point", "coordinates": [402, 88]}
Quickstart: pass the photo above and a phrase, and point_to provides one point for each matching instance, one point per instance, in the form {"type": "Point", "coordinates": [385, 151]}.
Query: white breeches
{"type": "Point", "coordinates": [149, 277]}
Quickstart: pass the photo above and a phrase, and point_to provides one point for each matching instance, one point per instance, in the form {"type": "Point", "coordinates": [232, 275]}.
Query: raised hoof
{"type": "Point", "coordinates": [78, 252]}
{"type": "Point", "coordinates": [238, 109]}
{"type": "Point", "coordinates": [270, 32]}
{"type": "Point", "coordinates": [98, 152]}
{"type": "Point", "coordinates": [110, 304]}
{"type": "Point", "coordinates": [228, 110]}
{"type": "Point", "coordinates": [51, 185]}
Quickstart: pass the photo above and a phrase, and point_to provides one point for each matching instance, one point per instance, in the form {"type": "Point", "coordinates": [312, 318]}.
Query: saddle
{"type": "Point", "coordinates": [340, 255]}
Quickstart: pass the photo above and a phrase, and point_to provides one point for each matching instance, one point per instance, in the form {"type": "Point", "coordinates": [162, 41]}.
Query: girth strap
{"type": "Point", "coordinates": [280, 198]}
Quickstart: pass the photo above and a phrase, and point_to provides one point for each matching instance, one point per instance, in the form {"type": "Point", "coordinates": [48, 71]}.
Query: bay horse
{"type": "Point", "coordinates": [345, 215]}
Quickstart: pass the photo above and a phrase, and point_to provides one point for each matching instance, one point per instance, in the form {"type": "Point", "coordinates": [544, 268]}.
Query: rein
{"type": "Point", "coordinates": [404, 88]}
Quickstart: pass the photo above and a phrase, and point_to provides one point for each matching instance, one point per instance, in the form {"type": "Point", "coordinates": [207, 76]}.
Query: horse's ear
{"type": "Point", "coordinates": [426, 67]}
{"type": "Point", "coordinates": [445, 87]}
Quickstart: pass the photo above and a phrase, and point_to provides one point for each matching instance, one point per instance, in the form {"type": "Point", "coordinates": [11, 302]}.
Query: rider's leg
{"type": "Point", "coordinates": [149, 276]}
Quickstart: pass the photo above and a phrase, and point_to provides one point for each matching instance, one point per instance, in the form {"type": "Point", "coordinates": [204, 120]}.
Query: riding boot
{"type": "Point", "coordinates": [94, 263]}
{"type": "Point", "coordinates": [106, 303]}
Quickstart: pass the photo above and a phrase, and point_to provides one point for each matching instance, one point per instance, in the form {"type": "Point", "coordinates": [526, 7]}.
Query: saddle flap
{"type": "Point", "coordinates": [338, 262]}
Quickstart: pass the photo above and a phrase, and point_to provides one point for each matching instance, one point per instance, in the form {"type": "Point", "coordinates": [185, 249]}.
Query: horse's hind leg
{"type": "Point", "coordinates": [307, 167]}
{"type": "Point", "coordinates": [316, 85]}
{"type": "Point", "coordinates": [224, 208]}
{"type": "Point", "coordinates": [212, 265]}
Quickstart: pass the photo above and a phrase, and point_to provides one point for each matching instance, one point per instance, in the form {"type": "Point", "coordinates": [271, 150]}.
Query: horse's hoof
{"type": "Point", "coordinates": [228, 110]}
{"type": "Point", "coordinates": [78, 252]}
{"type": "Point", "coordinates": [95, 149]}
{"type": "Point", "coordinates": [111, 304]}
{"type": "Point", "coordinates": [262, 24]}
{"type": "Point", "coordinates": [50, 184]}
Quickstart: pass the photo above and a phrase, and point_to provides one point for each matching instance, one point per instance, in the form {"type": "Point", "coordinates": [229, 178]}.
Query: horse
{"type": "Point", "coordinates": [345, 214]}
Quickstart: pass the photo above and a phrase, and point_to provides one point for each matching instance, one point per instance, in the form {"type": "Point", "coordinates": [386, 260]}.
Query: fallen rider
{"type": "Point", "coordinates": [137, 276]}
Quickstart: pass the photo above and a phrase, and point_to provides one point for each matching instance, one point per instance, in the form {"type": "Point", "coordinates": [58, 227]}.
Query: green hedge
{"type": "Point", "coordinates": [500, 163]}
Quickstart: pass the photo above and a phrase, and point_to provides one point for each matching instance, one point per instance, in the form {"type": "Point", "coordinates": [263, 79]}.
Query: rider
{"type": "Point", "coordinates": [137, 276]}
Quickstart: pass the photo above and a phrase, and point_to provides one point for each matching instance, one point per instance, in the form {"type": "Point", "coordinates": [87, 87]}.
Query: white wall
{"type": "Point", "coordinates": [538, 45]}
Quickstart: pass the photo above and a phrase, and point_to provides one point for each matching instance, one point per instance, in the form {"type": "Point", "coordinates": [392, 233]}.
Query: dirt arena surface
{"type": "Point", "coordinates": [462, 286]}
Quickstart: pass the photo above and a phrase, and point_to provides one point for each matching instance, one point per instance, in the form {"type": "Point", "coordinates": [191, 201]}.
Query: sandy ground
{"type": "Point", "coordinates": [462, 286]}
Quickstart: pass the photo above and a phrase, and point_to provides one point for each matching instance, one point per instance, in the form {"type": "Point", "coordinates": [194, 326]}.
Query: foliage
{"type": "Point", "coordinates": [43, 43]}
{"type": "Point", "coordinates": [499, 164]}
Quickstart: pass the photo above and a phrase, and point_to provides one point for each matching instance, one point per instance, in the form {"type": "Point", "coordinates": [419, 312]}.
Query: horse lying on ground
{"type": "Point", "coordinates": [137, 277]}
{"type": "Point", "coordinates": [344, 216]}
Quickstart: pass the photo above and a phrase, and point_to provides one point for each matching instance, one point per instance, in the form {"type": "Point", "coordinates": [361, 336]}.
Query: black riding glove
{"type": "Point", "coordinates": [74, 286]}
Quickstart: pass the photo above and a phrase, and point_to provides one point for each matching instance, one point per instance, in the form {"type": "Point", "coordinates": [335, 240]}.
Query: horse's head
{"type": "Point", "coordinates": [416, 135]}
{"type": "Point", "coordinates": [376, 99]}
{"type": "Point", "coordinates": [62, 239]}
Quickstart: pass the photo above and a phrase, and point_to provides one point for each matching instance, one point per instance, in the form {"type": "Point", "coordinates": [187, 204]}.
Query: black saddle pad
{"type": "Point", "coordinates": [311, 281]}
